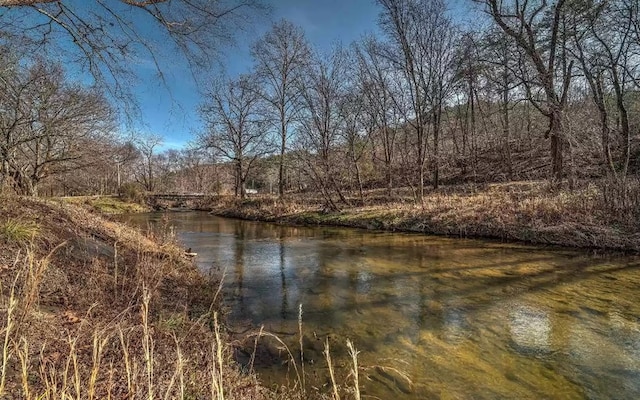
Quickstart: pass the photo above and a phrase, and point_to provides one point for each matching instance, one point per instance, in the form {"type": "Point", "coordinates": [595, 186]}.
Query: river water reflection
{"type": "Point", "coordinates": [461, 319]}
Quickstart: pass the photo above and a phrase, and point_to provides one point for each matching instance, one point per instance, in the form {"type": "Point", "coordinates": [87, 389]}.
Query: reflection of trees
{"type": "Point", "coordinates": [285, 299]}
{"type": "Point", "coordinates": [239, 243]}
{"type": "Point", "coordinates": [427, 317]}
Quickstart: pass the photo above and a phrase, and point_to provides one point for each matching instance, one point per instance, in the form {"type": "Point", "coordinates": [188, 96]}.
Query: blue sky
{"type": "Point", "coordinates": [169, 108]}
{"type": "Point", "coordinates": [172, 113]}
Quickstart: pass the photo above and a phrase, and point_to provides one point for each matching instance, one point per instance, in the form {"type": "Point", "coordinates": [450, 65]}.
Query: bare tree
{"type": "Point", "coordinates": [357, 131]}
{"type": "Point", "coordinates": [14, 113]}
{"type": "Point", "coordinates": [442, 64]}
{"type": "Point", "coordinates": [375, 78]}
{"type": "Point", "coordinates": [604, 46]}
{"type": "Point", "coordinates": [539, 29]}
{"type": "Point", "coordinates": [235, 128]}
{"type": "Point", "coordinates": [501, 59]}
{"type": "Point", "coordinates": [122, 154]}
{"type": "Point", "coordinates": [193, 162]}
{"type": "Point", "coordinates": [281, 56]}
{"type": "Point", "coordinates": [400, 19]}
{"type": "Point", "coordinates": [421, 44]}
{"type": "Point", "coordinates": [147, 145]}
{"type": "Point", "coordinates": [324, 90]}
{"type": "Point", "coordinates": [47, 125]}
{"type": "Point", "coordinates": [107, 38]}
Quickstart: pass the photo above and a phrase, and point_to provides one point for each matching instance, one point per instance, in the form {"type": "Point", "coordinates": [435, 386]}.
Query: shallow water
{"type": "Point", "coordinates": [432, 317]}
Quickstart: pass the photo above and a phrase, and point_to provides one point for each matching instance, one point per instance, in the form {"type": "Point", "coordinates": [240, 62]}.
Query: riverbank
{"type": "Point", "coordinates": [112, 205]}
{"type": "Point", "coordinates": [90, 308]}
{"type": "Point", "coordinates": [530, 212]}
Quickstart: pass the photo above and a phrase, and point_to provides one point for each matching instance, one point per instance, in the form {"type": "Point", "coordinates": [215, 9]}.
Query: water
{"type": "Point", "coordinates": [432, 317]}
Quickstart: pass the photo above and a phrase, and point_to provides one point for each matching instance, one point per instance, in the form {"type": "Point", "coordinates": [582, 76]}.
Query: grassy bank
{"type": "Point", "coordinates": [91, 309]}
{"type": "Point", "coordinates": [589, 216]}
{"type": "Point", "coordinates": [106, 204]}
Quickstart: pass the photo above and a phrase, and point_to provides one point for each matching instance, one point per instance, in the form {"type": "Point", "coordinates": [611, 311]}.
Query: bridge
{"type": "Point", "coordinates": [177, 196]}
{"type": "Point", "coordinates": [163, 201]}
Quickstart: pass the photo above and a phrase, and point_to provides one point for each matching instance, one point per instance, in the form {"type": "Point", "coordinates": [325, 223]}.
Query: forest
{"type": "Point", "coordinates": [533, 91]}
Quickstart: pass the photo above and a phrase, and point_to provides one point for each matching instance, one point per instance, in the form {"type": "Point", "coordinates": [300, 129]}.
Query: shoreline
{"type": "Point", "coordinates": [324, 220]}
{"type": "Point", "coordinates": [456, 216]}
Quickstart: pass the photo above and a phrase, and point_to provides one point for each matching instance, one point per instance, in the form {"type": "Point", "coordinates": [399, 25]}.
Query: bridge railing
{"type": "Point", "coordinates": [177, 196]}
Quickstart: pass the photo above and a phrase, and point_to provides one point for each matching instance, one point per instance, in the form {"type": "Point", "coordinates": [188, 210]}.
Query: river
{"type": "Point", "coordinates": [432, 317]}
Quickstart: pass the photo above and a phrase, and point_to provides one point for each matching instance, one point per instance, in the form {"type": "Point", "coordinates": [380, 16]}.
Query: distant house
{"type": "Point", "coordinates": [251, 191]}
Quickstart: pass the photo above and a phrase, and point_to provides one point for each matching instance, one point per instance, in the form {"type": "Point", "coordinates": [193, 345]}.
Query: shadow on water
{"type": "Point", "coordinates": [462, 318]}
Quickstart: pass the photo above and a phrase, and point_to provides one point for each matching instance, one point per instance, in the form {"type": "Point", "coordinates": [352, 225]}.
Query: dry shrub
{"type": "Point", "coordinates": [131, 192]}
{"type": "Point", "coordinates": [621, 200]}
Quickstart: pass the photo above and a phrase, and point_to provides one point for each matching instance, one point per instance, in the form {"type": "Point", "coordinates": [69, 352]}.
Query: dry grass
{"type": "Point", "coordinates": [91, 309]}
{"type": "Point", "coordinates": [18, 231]}
{"type": "Point", "coordinates": [592, 215]}
{"type": "Point", "coordinates": [107, 204]}
{"type": "Point", "coordinates": [340, 383]}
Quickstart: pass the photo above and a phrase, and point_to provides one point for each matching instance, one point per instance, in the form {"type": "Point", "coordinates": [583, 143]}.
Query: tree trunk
{"type": "Point", "coordinates": [624, 122]}
{"type": "Point", "coordinates": [33, 189]}
{"type": "Point", "coordinates": [607, 158]}
{"type": "Point", "coordinates": [388, 160]}
{"type": "Point", "coordinates": [359, 179]}
{"type": "Point", "coordinates": [528, 129]}
{"type": "Point", "coordinates": [507, 132]}
{"type": "Point", "coordinates": [239, 190]}
{"type": "Point", "coordinates": [389, 181]}
{"type": "Point", "coordinates": [420, 192]}
{"type": "Point", "coordinates": [321, 179]}
{"type": "Point", "coordinates": [557, 144]}
{"type": "Point", "coordinates": [472, 126]}
{"type": "Point", "coordinates": [150, 176]}
{"type": "Point", "coordinates": [421, 160]}
{"type": "Point", "coordinates": [436, 150]}
{"type": "Point", "coordinates": [283, 148]}
{"type": "Point", "coordinates": [3, 176]}
{"type": "Point", "coordinates": [119, 177]}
